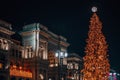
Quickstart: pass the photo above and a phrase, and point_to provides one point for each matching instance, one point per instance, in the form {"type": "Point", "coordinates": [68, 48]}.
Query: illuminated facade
{"type": "Point", "coordinates": [33, 58]}
{"type": "Point", "coordinates": [43, 44]}
{"type": "Point", "coordinates": [19, 67]}
{"type": "Point", "coordinates": [74, 66]}
{"type": "Point", "coordinates": [57, 44]}
{"type": "Point", "coordinates": [5, 41]}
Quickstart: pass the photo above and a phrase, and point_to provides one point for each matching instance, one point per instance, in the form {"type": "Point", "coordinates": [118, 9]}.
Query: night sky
{"type": "Point", "coordinates": [69, 18]}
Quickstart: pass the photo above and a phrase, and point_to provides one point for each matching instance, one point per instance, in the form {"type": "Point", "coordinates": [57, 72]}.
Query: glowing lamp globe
{"type": "Point", "coordinates": [94, 9]}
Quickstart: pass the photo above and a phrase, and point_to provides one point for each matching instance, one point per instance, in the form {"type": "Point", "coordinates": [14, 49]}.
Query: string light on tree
{"type": "Point", "coordinates": [96, 63]}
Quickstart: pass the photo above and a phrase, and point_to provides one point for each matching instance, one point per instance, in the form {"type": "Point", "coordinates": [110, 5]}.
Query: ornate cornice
{"type": "Point", "coordinates": [64, 43]}
{"type": "Point", "coordinates": [26, 33]}
{"type": "Point", "coordinates": [6, 31]}
{"type": "Point", "coordinates": [73, 59]}
{"type": "Point", "coordinates": [44, 34]}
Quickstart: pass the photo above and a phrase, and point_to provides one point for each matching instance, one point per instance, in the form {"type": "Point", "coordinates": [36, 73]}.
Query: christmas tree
{"type": "Point", "coordinates": [96, 63]}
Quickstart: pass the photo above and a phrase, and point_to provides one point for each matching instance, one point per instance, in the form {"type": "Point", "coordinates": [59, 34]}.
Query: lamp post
{"type": "Point", "coordinates": [61, 55]}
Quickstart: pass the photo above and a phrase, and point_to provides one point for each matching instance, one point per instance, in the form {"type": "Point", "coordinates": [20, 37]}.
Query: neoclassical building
{"type": "Point", "coordinates": [5, 44]}
{"type": "Point", "coordinates": [32, 57]}
{"type": "Point", "coordinates": [74, 67]}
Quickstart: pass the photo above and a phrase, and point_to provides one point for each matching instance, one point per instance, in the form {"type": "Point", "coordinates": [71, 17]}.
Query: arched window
{"type": "Point", "coordinates": [5, 45]}
{"type": "Point", "coordinates": [30, 52]}
{"type": "Point", "coordinates": [70, 66]}
{"type": "Point", "coordinates": [26, 53]}
{"type": "Point", "coordinates": [52, 59]}
{"type": "Point", "coordinates": [1, 43]}
{"type": "Point", "coordinates": [41, 52]}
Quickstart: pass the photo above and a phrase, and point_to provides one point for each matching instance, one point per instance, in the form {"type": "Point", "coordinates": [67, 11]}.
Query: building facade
{"type": "Point", "coordinates": [31, 58]}
{"type": "Point", "coordinates": [74, 67]}
{"type": "Point", "coordinates": [5, 41]}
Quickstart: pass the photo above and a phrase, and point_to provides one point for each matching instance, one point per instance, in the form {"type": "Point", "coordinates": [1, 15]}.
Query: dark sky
{"type": "Point", "coordinates": [69, 18]}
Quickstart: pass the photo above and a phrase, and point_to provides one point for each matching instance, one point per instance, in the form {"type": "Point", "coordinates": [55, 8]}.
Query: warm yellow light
{"type": "Point", "coordinates": [21, 73]}
{"type": "Point", "coordinates": [56, 64]}
{"type": "Point", "coordinates": [20, 67]}
{"type": "Point", "coordinates": [1, 65]}
{"type": "Point", "coordinates": [14, 66]}
{"type": "Point", "coordinates": [51, 65]}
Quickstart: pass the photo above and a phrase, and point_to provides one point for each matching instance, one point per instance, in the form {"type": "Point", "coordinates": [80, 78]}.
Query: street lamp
{"type": "Point", "coordinates": [61, 55]}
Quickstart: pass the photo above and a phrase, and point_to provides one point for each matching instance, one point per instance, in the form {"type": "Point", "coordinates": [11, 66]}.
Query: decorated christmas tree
{"type": "Point", "coordinates": [96, 63]}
